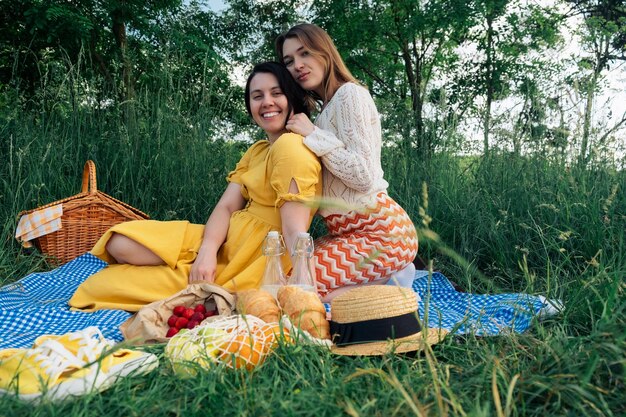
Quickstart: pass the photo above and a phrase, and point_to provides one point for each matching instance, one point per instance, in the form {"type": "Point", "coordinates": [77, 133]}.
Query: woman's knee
{"type": "Point", "coordinates": [128, 251]}
{"type": "Point", "coordinates": [117, 247]}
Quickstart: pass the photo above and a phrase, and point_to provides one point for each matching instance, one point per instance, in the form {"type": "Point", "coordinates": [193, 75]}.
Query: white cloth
{"type": "Point", "coordinates": [348, 140]}
{"type": "Point", "coordinates": [405, 278]}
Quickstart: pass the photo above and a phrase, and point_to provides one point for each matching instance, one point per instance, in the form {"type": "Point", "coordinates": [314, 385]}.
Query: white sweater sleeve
{"type": "Point", "coordinates": [348, 152]}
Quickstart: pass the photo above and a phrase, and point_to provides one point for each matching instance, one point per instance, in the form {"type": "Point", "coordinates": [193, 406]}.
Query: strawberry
{"type": "Point", "coordinates": [188, 313]}
{"type": "Point", "coordinates": [192, 324]}
{"type": "Point", "coordinates": [179, 310]}
{"type": "Point", "coordinates": [181, 322]}
{"type": "Point", "coordinates": [172, 320]}
{"type": "Point", "coordinates": [210, 313]}
{"type": "Point", "coordinates": [197, 316]}
{"type": "Point", "coordinates": [171, 332]}
{"type": "Point", "coordinates": [200, 308]}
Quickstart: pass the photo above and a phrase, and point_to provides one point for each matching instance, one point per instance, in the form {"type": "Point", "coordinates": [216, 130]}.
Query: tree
{"type": "Point", "coordinates": [97, 29]}
{"type": "Point", "coordinates": [119, 46]}
{"type": "Point", "coordinates": [508, 36]}
{"type": "Point", "coordinates": [248, 28]}
{"type": "Point", "coordinates": [603, 36]}
{"type": "Point", "coordinates": [397, 47]}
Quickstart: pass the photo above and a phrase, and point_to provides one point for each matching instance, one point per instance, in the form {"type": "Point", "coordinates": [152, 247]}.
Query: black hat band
{"type": "Point", "coordinates": [374, 330]}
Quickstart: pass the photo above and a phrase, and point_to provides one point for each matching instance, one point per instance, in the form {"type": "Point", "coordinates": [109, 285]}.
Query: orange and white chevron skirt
{"type": "Point", "coordinates": [364, 246]}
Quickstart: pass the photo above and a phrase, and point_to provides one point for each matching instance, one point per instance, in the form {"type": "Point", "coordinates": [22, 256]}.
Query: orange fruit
{"type": "Point", "coordinates": [243, 350]}
{"type": "Point", "coordinates": [272, 332]}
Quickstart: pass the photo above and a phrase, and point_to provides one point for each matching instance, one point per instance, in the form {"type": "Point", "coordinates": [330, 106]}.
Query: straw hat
{"type": "Point", "coordinates": [378, 319]}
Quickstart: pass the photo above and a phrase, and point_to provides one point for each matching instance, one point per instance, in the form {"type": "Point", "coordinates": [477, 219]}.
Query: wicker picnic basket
{"type": "Point", "coordinates": [86, 216]}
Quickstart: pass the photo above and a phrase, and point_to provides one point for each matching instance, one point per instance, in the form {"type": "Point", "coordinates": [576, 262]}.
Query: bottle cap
{"type": "Point", "coordinates": [272, 233]}
{"type": "Point", "coordinates": [303, 234]}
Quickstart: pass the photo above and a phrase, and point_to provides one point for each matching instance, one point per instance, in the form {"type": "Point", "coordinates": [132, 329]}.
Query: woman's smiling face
{"type": "Point", "coordinates": [268, 105]}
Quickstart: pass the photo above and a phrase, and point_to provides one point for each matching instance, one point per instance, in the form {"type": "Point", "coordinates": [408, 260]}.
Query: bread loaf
{"type": "Point", "coordinates": [259, 303]}
{"type": "Point", "coordinates": [305, 310]}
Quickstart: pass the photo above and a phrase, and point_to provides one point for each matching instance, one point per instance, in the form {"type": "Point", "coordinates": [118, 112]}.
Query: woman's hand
{"type": "Point", "coordinates": [300, 124]}
{"type": "Point", "coordinates": [215, 232]}
{"type": "Point", "coordinates": [203, 268]}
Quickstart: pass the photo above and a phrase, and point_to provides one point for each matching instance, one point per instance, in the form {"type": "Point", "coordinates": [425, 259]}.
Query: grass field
{"type": "Point", "coordinates": [500, 224]}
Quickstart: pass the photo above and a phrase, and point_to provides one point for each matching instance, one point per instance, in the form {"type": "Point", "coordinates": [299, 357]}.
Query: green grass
{"type": "Point", "coordinates": [498, 224]}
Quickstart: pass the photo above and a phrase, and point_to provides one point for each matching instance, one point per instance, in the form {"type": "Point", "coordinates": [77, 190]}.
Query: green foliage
{"type": "Point", "coordinates": [603, 40]}
{"type": "Point", "coordinates": [248, 28]}
{"type": "Point", "coordinates": [397, 48]}
{"type": "Point", "coordinates": [506, 33]}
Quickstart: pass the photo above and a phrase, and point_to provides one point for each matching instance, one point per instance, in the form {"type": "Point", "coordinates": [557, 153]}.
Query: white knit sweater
{"type": "Point", "coordinates": [348, 140]}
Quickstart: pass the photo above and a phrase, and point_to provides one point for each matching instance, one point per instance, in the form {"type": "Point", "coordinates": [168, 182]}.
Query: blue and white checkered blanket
{"type": "Point", "coordinates": [464, 313]}
{"type": "Point", "coordinates": [37, 304]}
{"type": "Point", "coordinates": [482, 315]}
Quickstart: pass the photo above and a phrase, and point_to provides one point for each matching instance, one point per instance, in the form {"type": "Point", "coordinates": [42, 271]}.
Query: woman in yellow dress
{"type": "Point", "coordinates": [274, 186]}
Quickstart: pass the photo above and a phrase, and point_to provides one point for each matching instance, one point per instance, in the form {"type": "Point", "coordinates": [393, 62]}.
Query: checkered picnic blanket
{"type": "Point", "coordinates": [38, 223]}
{"type": "Point", "coordinates": [483, 315]}
{"type": "Point", "coordinates": [37, 304]}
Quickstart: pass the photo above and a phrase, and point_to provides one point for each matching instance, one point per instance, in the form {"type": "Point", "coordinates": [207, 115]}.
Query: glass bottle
{"type": "Point", "coordinates": [302, 272]}
{"type": "Point", "coordinates": [273, 276]}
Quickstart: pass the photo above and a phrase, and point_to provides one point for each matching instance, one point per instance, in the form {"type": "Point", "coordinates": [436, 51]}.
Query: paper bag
{"type": "Point", "coordinates": [149, 325]}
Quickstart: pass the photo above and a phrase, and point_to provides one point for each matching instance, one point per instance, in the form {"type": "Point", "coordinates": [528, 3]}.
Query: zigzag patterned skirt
{"type": "Point", "coordinates": [364, 246]}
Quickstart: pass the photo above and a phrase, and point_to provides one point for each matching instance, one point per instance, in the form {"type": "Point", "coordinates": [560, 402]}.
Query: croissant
{"type": "Point", "coordinates": [259, 303]}
{"type": "Point", "coordinates": [305, 310]}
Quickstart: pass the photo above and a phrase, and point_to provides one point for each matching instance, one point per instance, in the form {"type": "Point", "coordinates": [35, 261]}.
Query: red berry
{"type": "Point", "coordinates": [171, 332]}
{"type": "Point", "coordinates": [197, 317]}
{"type": "Point", "coordinates": [210, 313]}
{"type": "Point", "coordinates": [181, 323]}
{"type": "Point", "coordinates": [172, 320]}
{"type": "Point", "coordinates": [200, 308]}
{"type": "Point", "coordinates": [192, 324]}
{"type": "Point", "coordinates": [188, 313]}
{"type": "Point", "coordinates": [179, 310]}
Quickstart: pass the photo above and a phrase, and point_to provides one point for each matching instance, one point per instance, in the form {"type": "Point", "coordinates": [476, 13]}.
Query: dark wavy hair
{"type": "Point", "coordinates": [297, 98]}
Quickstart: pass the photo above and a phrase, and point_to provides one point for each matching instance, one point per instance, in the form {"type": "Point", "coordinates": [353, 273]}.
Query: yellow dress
{"type": "Point", "coordinates": [265, 173]}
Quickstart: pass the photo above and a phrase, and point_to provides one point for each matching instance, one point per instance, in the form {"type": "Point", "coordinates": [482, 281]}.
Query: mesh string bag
{"type": "Point", "coordinates": [233, 341]}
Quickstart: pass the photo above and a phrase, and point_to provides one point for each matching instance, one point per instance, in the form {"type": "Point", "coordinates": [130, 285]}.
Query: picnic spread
{"type": "Point", "coordinates": [37, 305]}
{"type": "Point", "coordinates": [59, 336]}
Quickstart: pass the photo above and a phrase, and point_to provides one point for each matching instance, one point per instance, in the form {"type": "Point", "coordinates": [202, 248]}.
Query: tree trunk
{"type": "Point", "coordinates": [410, 74]}
{"type": "Point", "coordinates": [601, 59]}
{"type": "Point", "coordinates": [119, 31]}
{"type": "Point", "coordinates": [413, 74]}
{"type": "Point", "coordinates": [127, 95]}
{"type": "Point", "coordinates": [489, 79]}
{"type": "Point", "coordinates": [418, 102]}
{"type": "Point", "coordinates": [590, 95]}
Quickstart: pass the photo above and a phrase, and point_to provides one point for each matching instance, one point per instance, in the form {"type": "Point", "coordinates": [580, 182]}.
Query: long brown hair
{"type": "Point", "coordinates": [322, 47]}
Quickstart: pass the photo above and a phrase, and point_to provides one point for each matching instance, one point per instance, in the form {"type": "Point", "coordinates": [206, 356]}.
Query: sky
{"type": "Point", "coordinates": [216, 5]}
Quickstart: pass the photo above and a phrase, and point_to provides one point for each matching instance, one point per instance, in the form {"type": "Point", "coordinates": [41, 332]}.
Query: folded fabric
{"type": "Point", "coordinates": [37, 305]}
{"type": "Point", "coordinates": [482, 315]}
{"type": "Point", "coordinates": [38, 223]}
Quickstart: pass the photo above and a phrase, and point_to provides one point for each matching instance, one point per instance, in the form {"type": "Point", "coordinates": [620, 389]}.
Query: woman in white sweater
{"type": "Point", "coordinates": [370, 236]}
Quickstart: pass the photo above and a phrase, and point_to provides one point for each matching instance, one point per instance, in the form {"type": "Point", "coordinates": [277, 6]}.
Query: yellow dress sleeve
{"type": "Point", "coordinates": [244, 163]}
{"type": "Point", "coordinates": [291, 160]}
